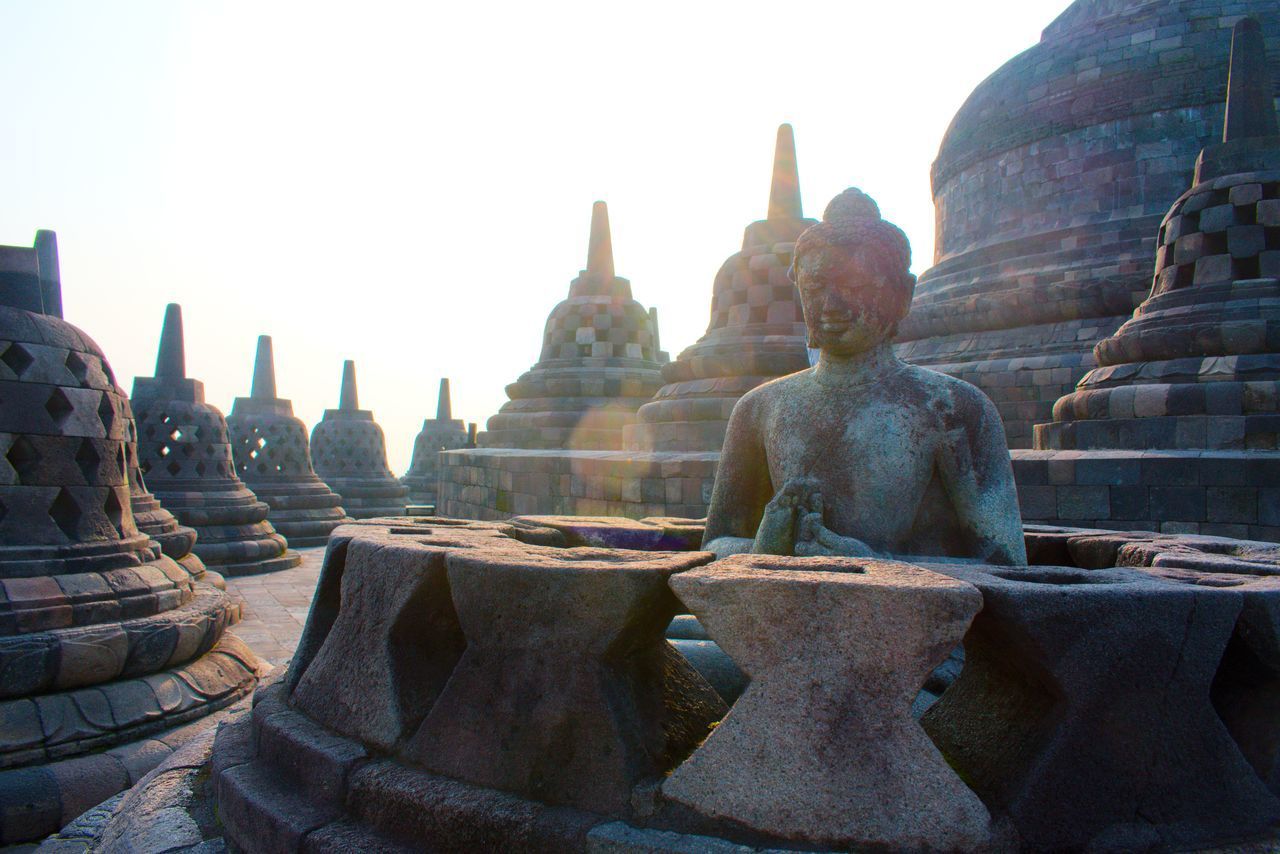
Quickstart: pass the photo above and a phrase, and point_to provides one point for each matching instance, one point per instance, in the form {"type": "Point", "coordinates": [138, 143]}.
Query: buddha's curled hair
{"type": "Point", "coordinates": [852, 223]}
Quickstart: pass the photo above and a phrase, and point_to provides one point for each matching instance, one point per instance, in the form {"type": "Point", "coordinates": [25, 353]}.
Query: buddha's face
{"type": "Point", "coordinates": [849, 305]}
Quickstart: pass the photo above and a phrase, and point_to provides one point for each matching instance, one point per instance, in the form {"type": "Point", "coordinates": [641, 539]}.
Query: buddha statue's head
{"type": "Point", "coordinates": [853, 273]}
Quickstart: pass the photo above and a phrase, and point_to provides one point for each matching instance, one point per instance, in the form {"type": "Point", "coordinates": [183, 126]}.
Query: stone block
{"type": "Point", "coordinates": [1095, 726]}
{"type": "Point", "coordinates": [785, 761]}
{"type": "Point", "coordinates": [584, 708]}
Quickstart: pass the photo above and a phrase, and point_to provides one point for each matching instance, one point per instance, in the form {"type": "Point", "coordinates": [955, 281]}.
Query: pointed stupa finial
{"type": "Point", "coordinates": [264, 371]}
{"type": "Point", "coordinates": [171, 359]}
{"type": "Point", "coordinates": [1251, 110]}
{"type": "Point", "coordinates": [600, 246]}
{"type": "Point", "coordinates": [784, 191]}
{"type": "Point", "coordinates": [348, 399]}
{"type": "Point", "coordinates": [444, 409]}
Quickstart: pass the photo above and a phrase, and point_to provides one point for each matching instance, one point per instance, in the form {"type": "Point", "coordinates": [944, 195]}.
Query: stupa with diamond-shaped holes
{"type": "Point", "coordinates": [442, 433]}
{"type": "Point", "coordinates": [184, 451]}
{"type": "Point", "coordinates": [273, 457]}
{"type": "Point", "coordinates": [107, 643]}
{"type": "Point", "coordinates": [349, 452]}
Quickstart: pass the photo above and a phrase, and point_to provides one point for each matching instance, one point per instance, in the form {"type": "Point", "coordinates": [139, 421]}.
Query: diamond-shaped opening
{"type": "Point", "coordinates": [175, 434]}
{"type": "Point", "coordinates": [165, 419]}
{"type": "Point", "coordinates": [164, 450]}
{"type": "Point", "coordinates": [17, 358]}
{"type": "Point", "coordinates": [174, 467]}
{"type": "Point", "coordinates": [65, 513]}
{"type": "Point", "coordinates": [188, 451]}
{"type": "Point", "coordinates": [107, 412]}
{"type": "Point", "coordinates": [253, 455]}
{"type": "Point", "coordinates": [115, 511]}
{"type": "Point", "coordinates": [88, 458]}
{"type": "Point", "coordinates": [262, 443]}
{"type": "Point", "coordinates": [24, 458]}
{"type": "Point", "coordinates": [78, 367]}
{"type": "Point", "coordinates": [58, 406]}
{"type": "Point", "coordinates": [200, 468]}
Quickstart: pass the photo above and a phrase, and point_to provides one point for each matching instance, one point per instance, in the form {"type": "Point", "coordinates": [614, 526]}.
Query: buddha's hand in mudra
{"type": "Point", "coordinates": [776, 534]}
{"type": "Point", "coordinates": [814, 539]}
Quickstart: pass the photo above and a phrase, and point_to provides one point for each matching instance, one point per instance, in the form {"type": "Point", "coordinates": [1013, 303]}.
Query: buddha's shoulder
{"type": "Point", "coordinates": [769, 394]}
{"type": "Point", "coordinates": [945, 393]}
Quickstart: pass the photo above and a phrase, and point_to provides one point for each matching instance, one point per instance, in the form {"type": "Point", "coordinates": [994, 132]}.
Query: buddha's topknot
{"type": "Point", "coordinates": [852, 221]}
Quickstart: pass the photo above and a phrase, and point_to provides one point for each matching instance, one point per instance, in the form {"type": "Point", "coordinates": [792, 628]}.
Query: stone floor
{"type": "Point", "coordinates": [276, 605]}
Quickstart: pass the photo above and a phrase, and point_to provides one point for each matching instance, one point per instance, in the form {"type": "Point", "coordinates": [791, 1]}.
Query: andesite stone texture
{"type": "Point", "coordinates": [1050, 185]}
{"type": "Point", "coordinates": [599, 363]}
{"type": "Point", "coordinates": [184, 452]}
{"type": "Point", "coordinates": [281, 780]}
{"type": "Point", "coordinates": [756, 331]}
{"type": "Point", "coordinates": [1083, 711]}
{"type": "Point", "coordinates": [442, 433]}
{"type": "Point", "coordinates": [349, 451]}
{"type": "Point", "coordinates": [1195, 372]}
{"type": "Point", "coordinates": [788, 759]}
{"type": "Point", "coordinates": [106, 641]}
{"type": "Point", "coordinates": [273, 457]}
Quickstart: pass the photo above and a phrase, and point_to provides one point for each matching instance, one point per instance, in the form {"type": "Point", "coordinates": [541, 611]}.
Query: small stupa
{"type": "Point", "coordinates": [273, 457]}
{"type": "Point", "coordinates": [442, 433]}
{"type": "Point", "coordinates": [176, 539]}
{"type": "Point", "coordinates": [105, 640]}
{"type": "Point", "coordinates": [184, 452]}
{"type": "Point", "coordinates": [1191, 379]}
{"type": "Point", "coordinates": [349, 452]}
{"type": "Point", "coordinates": [756, 332]}
{"type": "Point", "coordinates": [599, 363]}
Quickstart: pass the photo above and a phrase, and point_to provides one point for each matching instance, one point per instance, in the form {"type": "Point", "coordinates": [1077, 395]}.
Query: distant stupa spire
{"type": "Point", "coordinates": [600, 245]}
{"type": "Point", "coordinates": [784, 191]}
{"type": "Point", "coordinates": [349, 400]}
{"type": "Point", "coordinates": [264, 371]}
{"type": "Point", "coordinates": [171, 359]}
{"type": "Point", "coordinates": [1251, 110]}
{"type": "Point", "coordinates": [444, 410]}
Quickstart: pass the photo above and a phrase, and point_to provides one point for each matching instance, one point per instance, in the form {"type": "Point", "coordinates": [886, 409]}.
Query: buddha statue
{"type": "Point", "coordinates": [863, 454]}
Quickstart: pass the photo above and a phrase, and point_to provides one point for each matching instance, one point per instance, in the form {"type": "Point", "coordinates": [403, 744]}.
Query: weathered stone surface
{"type": "Point", "coordinates": [104, 637]}
{"type": "Point", "coordinates": [349, 451]}
{"type": "Point", "coordinates": [1046, 213]}
{"type": "Point", "coordinates": [786, 761]}
{"type": "Point", "coordinates": [755, 333]}
{"type": "Point", "coordinates": [811, 460]}
{"type": "Point", "coordinates": [599, 362]}
{"type": "Point", "coordinates": [585, 707]}
{"type": "Point", "coordinates": [1083, 711]}
{"type": "Point", "coordinates": [442, 433]}
{"type": "Point", "coordinates": [184, 452]}
{"type": "Point", "coordinates": [272, 456]}
{"type": "Point", "coordinates": [395, 641]}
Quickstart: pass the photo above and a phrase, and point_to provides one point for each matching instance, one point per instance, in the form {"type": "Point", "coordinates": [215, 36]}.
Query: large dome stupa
{"type": "Point", "coordinates": [1050, 186]}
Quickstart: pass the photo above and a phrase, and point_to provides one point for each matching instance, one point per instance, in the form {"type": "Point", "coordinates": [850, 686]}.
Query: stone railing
{"type": "Point", "coordinates": [488, 686]}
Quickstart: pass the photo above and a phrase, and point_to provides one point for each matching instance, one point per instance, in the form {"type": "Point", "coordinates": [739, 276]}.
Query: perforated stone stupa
{"type": "Point", "coordinates": [273, 457]}
{"type": "Point", "coordinates": [176, 539]}
{"type": "Point", "coordinates": [442, 433]}
{"type": "Point", "coordinates": [756, 332]}
{"type": "Point", "coordinates": [599, 363]}
{"type": "Point", "coordinates": [106, 643]}
{"type": "Point", "coordinates": [1178, 424]}
{"type": "Point", "coordinates": [184, 451]}
{"type": "Point", "coordinates": [349, 451]}
{"type": "Point", "coordinates": [1050, 186]}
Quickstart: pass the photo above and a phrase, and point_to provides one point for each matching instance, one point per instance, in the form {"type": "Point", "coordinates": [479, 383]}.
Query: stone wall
{"type": "Point", "coordinates": [494, 483]}
{"type": "Point", "coordinates": [1178, 492]}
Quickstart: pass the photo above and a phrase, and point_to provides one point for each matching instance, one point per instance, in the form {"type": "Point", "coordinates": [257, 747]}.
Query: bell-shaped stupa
{"type": "Point", "coordinates": [756, 332]}
{"type": "Point", "coordinates": [1192, 378]}
{"type": "Point", "coordinates": [273, 457]}
{"type": "Point", "coordinates": [349, 452]}
{"type": "Point", "coordinates": [104, 638]}
{"type": "Point", "coordinates": [442, 433]}
{"type": "Point", "coordinates": [176, 539]}
{"type": "Point", "coordinates": [599, 363]}
{"type": "Point", "coordinates": [184, 452]}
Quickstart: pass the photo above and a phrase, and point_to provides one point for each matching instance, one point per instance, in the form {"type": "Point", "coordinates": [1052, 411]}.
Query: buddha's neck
{"type": "Point", "coordinates": [857, 368]}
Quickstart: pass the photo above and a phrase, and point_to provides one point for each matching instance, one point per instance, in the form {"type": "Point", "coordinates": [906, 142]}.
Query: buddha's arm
{"type": "Point", "coordinates": [742, 488]}
{"type": "Point", "coordinates": [977, 473]}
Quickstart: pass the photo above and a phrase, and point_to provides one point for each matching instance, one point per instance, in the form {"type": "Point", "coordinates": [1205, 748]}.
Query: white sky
{"type": "Point", "coordinates": [410, 184]}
